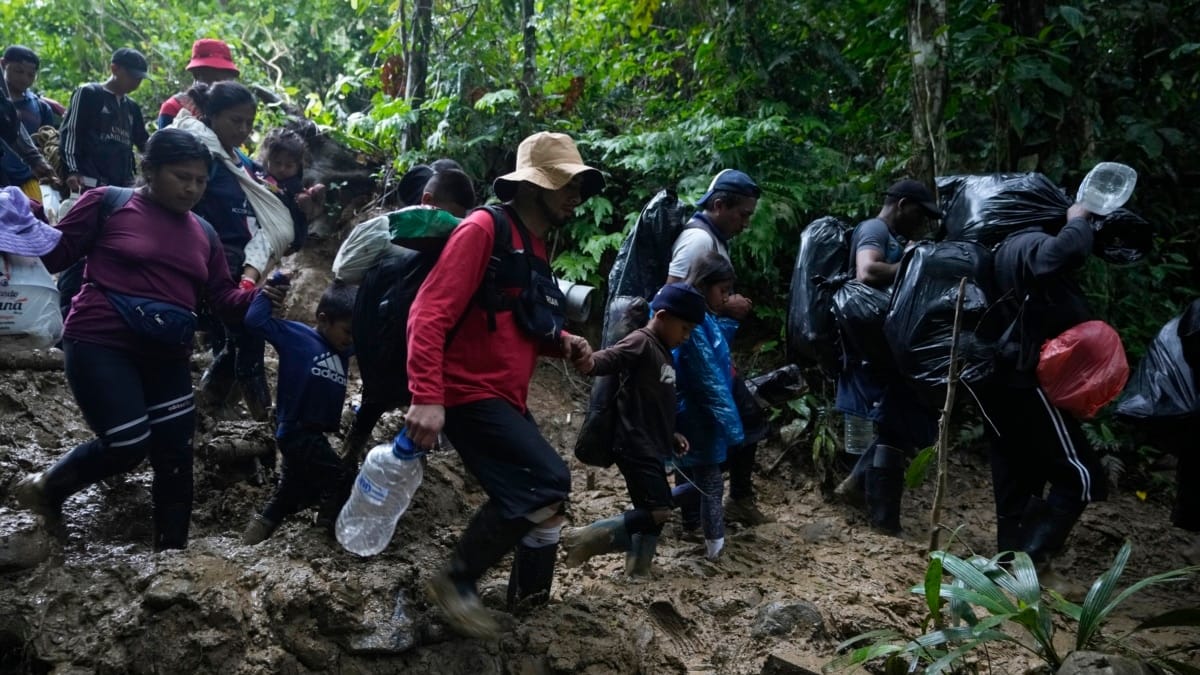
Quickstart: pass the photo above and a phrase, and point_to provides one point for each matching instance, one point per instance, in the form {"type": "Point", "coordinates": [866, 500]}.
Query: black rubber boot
{"type": "Point", "coordinates": [532, 576]}
{"type": "Point", "coordinates": [639, 562]}
{"type": "Point", "coordinates": [257, 395]}
{"type": "Point", "coordinates": [487, 538]}
{"type": "Point", "coordinates": [1009, 537]}
{"type": "Point", "coordinates": [216, 384]}
{"type": "Point", "coordinates": [171, 523]}
{"type": "Point", "coordinates": [884, 488]}
{"type": "Point", "coordinates": [1046, 526]}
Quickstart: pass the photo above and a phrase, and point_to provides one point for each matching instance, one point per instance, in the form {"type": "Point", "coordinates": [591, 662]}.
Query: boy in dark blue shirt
{"type": "Point", "coordinates": [309, 397]}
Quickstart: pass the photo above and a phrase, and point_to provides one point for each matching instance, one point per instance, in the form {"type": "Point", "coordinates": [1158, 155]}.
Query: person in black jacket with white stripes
{"type": "Point", "coordinates": [1035, 443]}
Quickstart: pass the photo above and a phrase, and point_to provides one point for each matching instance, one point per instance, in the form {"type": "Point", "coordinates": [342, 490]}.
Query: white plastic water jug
{"type": "Point", "coordinates": [1106, 188]}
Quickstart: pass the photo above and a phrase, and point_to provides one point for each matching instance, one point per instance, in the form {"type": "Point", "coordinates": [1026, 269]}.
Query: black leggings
{"type": "Point", "coordinates": [311, 472]}
{"type": "Point", "coordinates": [137, 407]}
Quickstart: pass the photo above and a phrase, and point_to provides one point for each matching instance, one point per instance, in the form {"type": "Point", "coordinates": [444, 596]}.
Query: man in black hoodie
{"type": "Point", "coordinates": [1035, 443]}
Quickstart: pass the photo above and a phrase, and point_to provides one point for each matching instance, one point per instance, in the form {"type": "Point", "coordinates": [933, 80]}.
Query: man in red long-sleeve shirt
{"type": "Point", "coordinates": [469, 371]}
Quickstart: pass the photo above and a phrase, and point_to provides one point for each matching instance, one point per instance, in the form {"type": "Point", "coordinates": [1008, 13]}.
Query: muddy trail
{"type": "Point", "coordinates": [94, 597]}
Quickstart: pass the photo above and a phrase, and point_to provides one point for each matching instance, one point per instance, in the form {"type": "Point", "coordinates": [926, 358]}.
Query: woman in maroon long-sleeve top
{"type": "Point", "coordinates": [135, 391]}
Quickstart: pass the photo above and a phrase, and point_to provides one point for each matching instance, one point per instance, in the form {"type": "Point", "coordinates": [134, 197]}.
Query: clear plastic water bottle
{"type": "Point", "coordinates": [390, 475]}
{"type": "Point", "coordinates": [1106, 188]}
{"type": "Point", "coordinates": [860, 433]}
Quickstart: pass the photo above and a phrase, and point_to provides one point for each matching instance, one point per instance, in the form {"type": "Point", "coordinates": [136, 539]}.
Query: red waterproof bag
{"type": "Point", "coordinates": [1083, 369]}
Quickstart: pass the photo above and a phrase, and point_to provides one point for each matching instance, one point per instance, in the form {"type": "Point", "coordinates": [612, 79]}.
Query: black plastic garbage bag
{"type": "Point", "coordinates": [1163, 385]}
{"type": "Point", "coordinates": [920, 321]}
{"type": "Point", "coordinates": [860, 310]}
{"type": "Point", "coordinates": [1189, 333]}
{"type": "Point", "coordinates": [623, 315]}
{"type": "Point", "coordinates": [642, 261]}
{"type": "Point", "coordinates": [988, 208]}
{"type": "Point", "coordinates": [1124, 238]}
{"type": "Point", "coordinates": [811, 330]}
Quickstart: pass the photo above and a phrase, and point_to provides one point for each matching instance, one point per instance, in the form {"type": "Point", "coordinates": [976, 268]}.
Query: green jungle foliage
{"type": "Point", "coordinates": [812, 98]}
{"type": "Point", "coordinates": [975, 602]}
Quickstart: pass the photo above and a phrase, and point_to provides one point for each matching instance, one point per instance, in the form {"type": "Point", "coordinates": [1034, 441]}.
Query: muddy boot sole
{"type": "Point", "coordinates": [464, 614]}
{"type": "Point", "coordinates": [848, 492]}
{"type": "Point", "coordinates": [30, 493]}
{"type": "Point", "coordinates": [257, 531]}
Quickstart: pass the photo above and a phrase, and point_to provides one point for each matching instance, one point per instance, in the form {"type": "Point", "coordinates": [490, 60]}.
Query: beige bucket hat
{"type": "Point", "coordinates": [550, 161]}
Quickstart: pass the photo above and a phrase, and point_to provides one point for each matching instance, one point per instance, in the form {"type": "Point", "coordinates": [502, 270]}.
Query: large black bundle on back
{"type": "Point", "coordinates": [1163, 386]}
{"type": "Point", "coordinates": [642, 261]}
{"type": "Point", "coordinates": [860, 310]}
{"type": "Point", "coordinates": [811, 330]}
{"type": "Point", "coordinates": [920, 320]}
{"type": "Point", "coordinates": [988, 208]}
{"type": "Point", "coordinates": [638, 272]}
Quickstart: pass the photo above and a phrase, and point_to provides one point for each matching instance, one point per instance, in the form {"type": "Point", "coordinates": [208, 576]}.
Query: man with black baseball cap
{"type": "Point", "coordinates": [103, 125]}
{"type": "Point", "coordinates": [872, 390]}
{"type": "Point", "coordinates": [97, 138]}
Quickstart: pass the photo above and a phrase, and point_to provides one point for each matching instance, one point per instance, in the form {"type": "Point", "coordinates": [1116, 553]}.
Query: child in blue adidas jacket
{"type": "Point", "coordinates": [309, 396]}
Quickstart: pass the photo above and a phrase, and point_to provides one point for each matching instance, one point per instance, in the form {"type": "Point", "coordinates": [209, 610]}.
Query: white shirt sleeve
{"type": "Point", "coordinates": [690, 245]}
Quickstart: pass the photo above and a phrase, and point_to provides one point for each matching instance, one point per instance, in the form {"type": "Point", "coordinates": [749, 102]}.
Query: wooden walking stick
{"type": "Point", "coordinates": [943, 440]}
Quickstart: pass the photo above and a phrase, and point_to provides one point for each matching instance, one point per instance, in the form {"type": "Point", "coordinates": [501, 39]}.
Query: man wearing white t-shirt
{"type": "Point", "coordinates": [724, 212]}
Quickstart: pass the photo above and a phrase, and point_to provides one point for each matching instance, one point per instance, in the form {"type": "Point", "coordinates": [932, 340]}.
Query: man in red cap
{"type": "Point", "coordinates": [211, 62]}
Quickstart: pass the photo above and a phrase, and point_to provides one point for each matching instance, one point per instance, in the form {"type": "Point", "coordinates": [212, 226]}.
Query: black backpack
{"type": "Point", "coordinates": [385, 296]}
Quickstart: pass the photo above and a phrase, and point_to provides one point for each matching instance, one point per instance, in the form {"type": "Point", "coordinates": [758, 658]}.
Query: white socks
{"type": "Point", "coordinates": [713, 547]}
{"type": "Point", "coordinates": [540, 537]}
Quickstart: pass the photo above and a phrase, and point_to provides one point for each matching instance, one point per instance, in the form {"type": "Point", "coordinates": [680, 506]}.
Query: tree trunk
{"type": "Point", "coordinates": [928, 42]}
{"type": "Point", "coordinates": [418, 69]}
{"type": "Point", "coordinates": [529, 65]}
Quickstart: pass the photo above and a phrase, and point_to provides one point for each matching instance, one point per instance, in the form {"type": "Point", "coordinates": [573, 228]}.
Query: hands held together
{"type": "Point", "coordinates": [577, 350]}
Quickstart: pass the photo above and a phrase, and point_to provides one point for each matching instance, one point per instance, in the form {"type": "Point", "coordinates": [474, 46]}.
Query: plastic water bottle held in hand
{"type": "Point", "coordinates": [1106, 188]}
{"type": "Point", "coordinates": [390, 475]}
{"type": "Point", "coordinates": [860, 433]}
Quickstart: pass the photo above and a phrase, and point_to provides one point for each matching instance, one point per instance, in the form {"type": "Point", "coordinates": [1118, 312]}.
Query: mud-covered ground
{"type": "Point", "coordinates": [94, 597]}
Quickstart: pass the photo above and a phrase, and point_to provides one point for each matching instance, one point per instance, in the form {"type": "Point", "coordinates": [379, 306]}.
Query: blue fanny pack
{"type": "Point", "coordinates": [160, 321]}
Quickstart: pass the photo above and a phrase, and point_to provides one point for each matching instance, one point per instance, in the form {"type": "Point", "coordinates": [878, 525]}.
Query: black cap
{"type": "Point", "coordinates": [681, 300]}
{"type": "Point", "coordinates": [412, 184]}
{"type": "Point", "coordinates": [917, 192]}
{"type": "Point", "coordinates": [133, 61]}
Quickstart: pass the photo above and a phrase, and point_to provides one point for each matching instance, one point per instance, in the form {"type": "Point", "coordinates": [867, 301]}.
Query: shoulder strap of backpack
{"type": "Point", "coordinates": [697, 224]}
{"type": "Point", "coordinates": [113, 199]}
{"type": "Point", "coordinates": [488, 294]}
